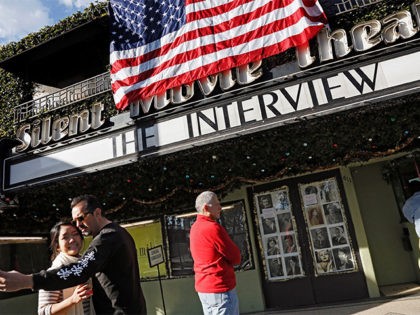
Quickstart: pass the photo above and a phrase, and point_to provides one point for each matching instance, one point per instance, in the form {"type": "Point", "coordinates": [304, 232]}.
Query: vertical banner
{"type": "Point", "coordinates": [146, 236]}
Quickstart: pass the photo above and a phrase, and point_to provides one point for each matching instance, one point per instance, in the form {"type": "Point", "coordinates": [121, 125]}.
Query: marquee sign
{"type": "Point", "coordinates": [332, 92]}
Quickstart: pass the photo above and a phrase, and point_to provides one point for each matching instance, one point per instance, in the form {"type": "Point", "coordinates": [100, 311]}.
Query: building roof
{"type": "Point", "coordinates": [71, 57]}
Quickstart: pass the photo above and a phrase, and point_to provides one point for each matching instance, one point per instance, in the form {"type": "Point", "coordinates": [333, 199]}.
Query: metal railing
{"type": "Point", "coordinates": [65, 97]}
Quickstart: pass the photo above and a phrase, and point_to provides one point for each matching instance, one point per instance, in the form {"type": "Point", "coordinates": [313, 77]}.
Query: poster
{"type": "Point", "coordinates": [278, 234]}
{"type": "Point", "coordinates": [146, 236]}
{"type": "Point", "coordinates": [330, 243]}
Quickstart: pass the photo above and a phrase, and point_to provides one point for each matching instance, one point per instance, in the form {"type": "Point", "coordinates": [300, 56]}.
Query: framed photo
{"type": "Point", "coordinates": [338, 235]}
{"type": "Point", "coordinates": [328, 191]}
{"type": "Point", "coordinates": [272, 246]}
{"type": "Point", "coordinates": [326, 222]}
{"type": "Point", "coordinates": [285, 222]}
{"type": "Point", "coordinates": [265, 201]}
{"type": "Point", "coordinates": [314, 215]}
{"type": "Point", "coordinates": [281, 200]}
{"type": "Point", "coordinates": [333, 213]}
{"type": "Point", "coordinates": [320, 238]}
{"type": "Point", "coordinates": [324, 261]}
{"type": "Point", "coordinates": [269, 225]}
{"type": "Point", "coordinates": [289, 243]}
{"type": "Point", "coordinates": [275, 267]}
{"type": "Point", "coordinates": [293, 267]}
{"type": "Point", "coordinates": [278, 237]}
{"type": "Point", "coordinates": [343, 258]}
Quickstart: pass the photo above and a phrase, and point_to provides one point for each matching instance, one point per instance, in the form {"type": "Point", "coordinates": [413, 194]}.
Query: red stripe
{"type": "Point", "coordinates": [208, 49]}
{"type": "Point", "coordinates": [187, 2]}
{"type": "Point", "coordinates": [216, 67]}
{"type": "Point", "coordinates": [210, 12]}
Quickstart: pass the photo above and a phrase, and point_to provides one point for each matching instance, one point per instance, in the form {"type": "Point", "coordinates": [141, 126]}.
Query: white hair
{"type": "Point", "coordinates": [205, 198]}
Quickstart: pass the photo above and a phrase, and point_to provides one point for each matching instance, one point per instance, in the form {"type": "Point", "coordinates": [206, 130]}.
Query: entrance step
{"type": "Point", "coordinates": [400, 289]}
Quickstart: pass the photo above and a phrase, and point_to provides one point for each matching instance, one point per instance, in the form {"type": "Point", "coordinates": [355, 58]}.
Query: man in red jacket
{"type": "Point", "coordinates": [214, 255]}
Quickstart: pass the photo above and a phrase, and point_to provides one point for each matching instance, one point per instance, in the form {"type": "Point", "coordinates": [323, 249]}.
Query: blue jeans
{"type": "Point", "coordinates": [225, 303]}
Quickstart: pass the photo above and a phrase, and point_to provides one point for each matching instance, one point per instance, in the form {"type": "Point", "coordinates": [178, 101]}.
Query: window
{"type": "Point", "coordinates": [178, 237]}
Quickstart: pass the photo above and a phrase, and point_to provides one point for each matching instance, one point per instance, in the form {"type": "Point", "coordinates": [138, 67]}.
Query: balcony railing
{"type": "Point", "coordinates": [65, 97]}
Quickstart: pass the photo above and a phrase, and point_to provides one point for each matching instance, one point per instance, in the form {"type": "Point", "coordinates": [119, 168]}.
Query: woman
{"type": "Point", "coordinates": [324, 262]}
{"type": "Point", "coordinates": [66, 244]}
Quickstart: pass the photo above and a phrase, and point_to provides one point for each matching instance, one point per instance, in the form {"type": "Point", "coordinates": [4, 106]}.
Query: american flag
{"type": "Point", "coordinates": [160, 44]}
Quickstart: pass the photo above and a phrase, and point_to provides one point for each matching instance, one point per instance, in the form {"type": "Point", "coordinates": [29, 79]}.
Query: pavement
{"type": "Point", "coordinates": [406, 305]}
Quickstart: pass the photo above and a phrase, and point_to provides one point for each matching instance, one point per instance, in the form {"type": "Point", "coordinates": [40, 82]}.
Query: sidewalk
{"type": "Point", "coordinates": [409, 305]}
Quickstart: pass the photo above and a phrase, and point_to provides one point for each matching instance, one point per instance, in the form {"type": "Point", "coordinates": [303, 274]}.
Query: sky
{"type": "Point", "coordinates": [18, 18]}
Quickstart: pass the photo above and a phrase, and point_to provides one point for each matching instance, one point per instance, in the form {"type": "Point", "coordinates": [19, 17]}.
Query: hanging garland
{"type": "Point", "coordinates": [167, 184]}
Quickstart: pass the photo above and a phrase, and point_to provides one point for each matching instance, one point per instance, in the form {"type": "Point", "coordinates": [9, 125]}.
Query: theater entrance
{"type": "Point", "coordinates": [308, 251]}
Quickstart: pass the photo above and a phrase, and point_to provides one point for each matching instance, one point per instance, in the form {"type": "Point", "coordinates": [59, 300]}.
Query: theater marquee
{"type": "Point", "coordinates": [330, 92]}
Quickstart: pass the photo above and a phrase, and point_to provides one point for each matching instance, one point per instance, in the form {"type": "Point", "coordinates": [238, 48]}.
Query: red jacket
{"type": "Point", "coordinates": [214, 255]}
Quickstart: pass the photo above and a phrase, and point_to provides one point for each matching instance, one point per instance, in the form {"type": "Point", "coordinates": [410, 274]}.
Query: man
{"type": "Point", "coordinates": [411, 208]}
{"type": "Point", "coordinates": [214, 255]}
{"type": "Point", "coordinates": [320, 238]}
{"type": "Point", "coordinates": [339, 237]}
{"type": "Point", "coordinates": [111, 259]}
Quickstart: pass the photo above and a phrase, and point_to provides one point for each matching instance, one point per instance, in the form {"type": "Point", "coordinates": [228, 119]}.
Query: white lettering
{"type": "Point", "coordinates": [43, 131]}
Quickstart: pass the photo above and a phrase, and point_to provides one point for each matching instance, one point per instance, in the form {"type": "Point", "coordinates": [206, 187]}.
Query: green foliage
{"type": "Point", "coordinates": [95, 10]}
{"type": "Point", "coordinates": [371, 12]}
{"type": "Point", "coordinates": [13, 91]}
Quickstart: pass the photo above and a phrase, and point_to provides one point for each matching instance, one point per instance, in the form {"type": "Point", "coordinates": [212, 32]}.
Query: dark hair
{"type": "Point", "coordinates": [54, 235]}
{"type": "Point", "coordinates": [91, 202]}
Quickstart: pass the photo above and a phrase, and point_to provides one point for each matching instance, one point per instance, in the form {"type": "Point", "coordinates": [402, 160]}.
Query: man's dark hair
{"type": "Point", "coordinates": [91, 202]}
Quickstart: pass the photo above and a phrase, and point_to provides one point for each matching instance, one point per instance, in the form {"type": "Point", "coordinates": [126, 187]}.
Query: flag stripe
{"type": "Point", "coordinates": [213, 39]}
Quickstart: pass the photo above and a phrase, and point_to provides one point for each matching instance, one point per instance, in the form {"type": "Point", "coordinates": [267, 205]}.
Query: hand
{"type": "Point", "coordinates": [14, 281]}
{"type": "Point", "coordinates": [82, 292]}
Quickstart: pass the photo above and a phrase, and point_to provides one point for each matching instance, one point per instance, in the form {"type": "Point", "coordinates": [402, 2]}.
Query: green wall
{"type": "Point", "coordinates": [22, 305]}
{"type": "Point", "coordinates": [393, 264]}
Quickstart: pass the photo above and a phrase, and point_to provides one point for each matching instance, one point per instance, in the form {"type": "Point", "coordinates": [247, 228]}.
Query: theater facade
{"type": "Point", "coordinates": [310, 151]}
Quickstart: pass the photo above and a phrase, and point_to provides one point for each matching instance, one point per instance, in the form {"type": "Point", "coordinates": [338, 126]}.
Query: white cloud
{"type": "Point", "coordinates": [79, 4]}
{"type": "Point", "coordinates": [21, 17]}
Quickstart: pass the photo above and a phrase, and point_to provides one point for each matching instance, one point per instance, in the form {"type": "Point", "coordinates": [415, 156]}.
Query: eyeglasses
{"type": "Point", "coordinates": [80, 218]}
